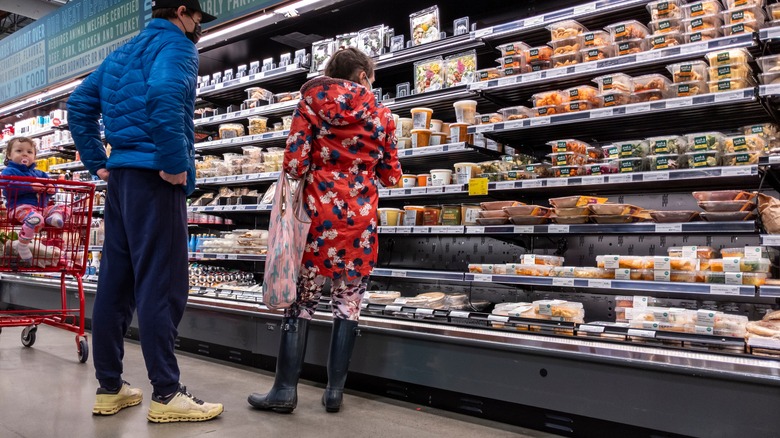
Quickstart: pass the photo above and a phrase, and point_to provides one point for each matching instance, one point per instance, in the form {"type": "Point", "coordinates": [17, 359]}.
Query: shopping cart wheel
{"type": "Point", "coordinates": [28, 335]}
{"type": "Point", "coordinates": [83, 350]}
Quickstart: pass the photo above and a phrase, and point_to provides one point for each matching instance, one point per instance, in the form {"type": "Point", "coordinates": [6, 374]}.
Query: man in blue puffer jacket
{"type": "Point", "coordinates": [145, 92]}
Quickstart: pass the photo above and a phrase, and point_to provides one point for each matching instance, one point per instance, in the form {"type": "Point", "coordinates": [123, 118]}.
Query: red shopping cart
{"type": "Point", "coordinates": [59, 252]}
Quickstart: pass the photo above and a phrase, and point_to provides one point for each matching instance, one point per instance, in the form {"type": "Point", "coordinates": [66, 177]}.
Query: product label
{"type": "Point", "coordinates": [683, 90]}
{"type": "Point", "coordinates": [622, 274]}
{"type": "Point", "coordinates": [661, 163]}
{"type": "Point", "coordinates": [559, 160]}
{"type": "Point", "coordinates": [626, 150]}
{"type": "Point", "coordinates": [529, 259]}
{"type": "Point", "coordinates": [592, 54]}
{"type": "Point", "coordinates": [627, 166]}
{"type": "Point", "coordinates": [724, 85]}
{"type": "Point", "coordinates": [696, 10]}
{"type": "Point", "coordinates": [542, 111]}
{"type": "Point", "coordinates": [533, 54]}
{"type": "Point", "coordinates": [753, 252]}
{"type": "Point", "coordinates": [565, 171]}
{"type": "Point", "coordinates": [574, 106]}
{"type": "Point", "coordinates": [700, 143]}
{"type": "Point", "coordinates": [611, 151]}
{"type": "Point", "coordinates": [666, 24]}
{"type": "Point", "coordinates": [700, 330]}
{"type": "Point", "coordinates": [574, 93]}
{"type": "Point", "coordinates": [659, 41]}
{"type": "Point", "coordinates": [589, 38]}
{"type": "Point", "coordinates": [611, 262]}
{"type": "Point", "coordinates": [759, 129]}
{"type": "Point", "coordinates": [731, 264]}
{"type": "Point", "coordinates": [594, 169]}
{"type": "Point", "coordinates": [484, 75]}
{"type": "Point", "coordinates": [510, 71]}
{"type": "Point", "coordinates": [696, 37]}
{"type": "Point", "coordinates": [733, 278]}
{"type": "Point", "coordinates": [723, 57]}
{"type": "Point", "coordinates": [700, 160]}
{"type": "Point", "coordinates": [740, 145]}
{"type": "Point", "coordinates": [609, 100]}
{"type": "Point", "coordinates": [697, 23]}
{"type": "Point", "coordinates": [640, 302]}
{"type": "Point", "coordinates": [565, 272]}
{"type": "Point", "coordinates": [662, 263]}
{"type": "Point", "coordinates": [661, 275]}
{"type": "Point", "coordinates": [560, 146]}
{"type": "Point", "coordinates": [724, 71]}
{"type": "Point", "coordinates": [661, 147]}
{"type": "Point", "coordinates": [663, 7]}
{"type": "Point", "coordinates": [690, 252]}
{"type": "Point", "coordinates": [472, 214]}
{"type": "Point", "coordinates": [737, 15]}
{"type": "Point", "coordinates": [705, 317]}
{"type": "Point", "coordinates": [620, 31]}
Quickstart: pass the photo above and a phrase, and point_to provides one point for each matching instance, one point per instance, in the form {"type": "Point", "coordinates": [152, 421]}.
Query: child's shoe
{"type": "Point", "coordinates": [23, 249]}
{"type": "Point", "coordinates": [55, 220]}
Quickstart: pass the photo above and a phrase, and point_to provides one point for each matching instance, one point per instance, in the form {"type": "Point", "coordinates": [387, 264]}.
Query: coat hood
{"type": "Point", "coordinates": [339, 102]}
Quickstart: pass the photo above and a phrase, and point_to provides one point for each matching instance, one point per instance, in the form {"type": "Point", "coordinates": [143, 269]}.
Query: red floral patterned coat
{"type": "Point", "coordinates": [341, 139]}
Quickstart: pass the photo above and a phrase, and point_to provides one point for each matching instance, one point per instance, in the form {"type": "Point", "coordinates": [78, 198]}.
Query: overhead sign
{"type": "Point", "coordinates": [226, 10]}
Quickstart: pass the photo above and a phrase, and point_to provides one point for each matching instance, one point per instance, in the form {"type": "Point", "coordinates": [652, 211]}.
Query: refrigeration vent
{"type": "Point", "coordinates": [559, 423]}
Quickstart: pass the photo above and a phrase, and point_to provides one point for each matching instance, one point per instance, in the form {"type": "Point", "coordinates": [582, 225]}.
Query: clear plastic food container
{"type": "Point", "coordinates": [627, 165]}
{"type": "Point", "coordinates": [614, 82]}
{"type": "Point", "coordinates": [678, 216]}
{"type": "Point", "coordinates": [539, 53]}
{"type": "Point", "coordinates": [702, 252]}
{"type": "Point", "coordinates": [744, 27]}
{"type": "Point", "coordinates": [579, 105]}
{"type": "Point", "coordinates": [614, 209]}
{"type": "Point", "coordinates": [648, 96]}
{"type": "Point", "coordinates": [666, 25]}
{"type": "Point", "coordinates": [583, 92]}
{"type": "Point", "coordinates": [702, 141]}
{"type": "Point", "coordinates": [533, 270]}
{"type": "Point", "coordinates": [741, 158]}
{"type": "Point", "coordinates": [687, 276]}
{"type": "Point", "coordinates": [703, 35]}
{"type": "Point", "coordinates": [564, 60]}
{"type": "Point", "coordinates": [513, 61]}
{"type": "Point", "coordinates": [765, 130]}
{"type": "Point", "coordinates": [769, 78]}
{"type": "Point", "coordinates": [723, 195]}
{"type": "Point", "coordinates": [547, 110]}
{"type": "Point", "coordinates": [606, 167]}
{"type": "Point", "coordinates": [538, 259]}
{"type": "Point", "coordinates": [699, 159]}
{"type": "Point", "coordinates": [566, 171]}
{"type": "Point", "coordinates": [565, 29]}
{"type": "Point", "coordinates": [597, 273]}
{"type": "Point", "coordinates": [566, 46]}
{"type": "Point", "coordinates": [729, 84]}
{"type": "Point", "coordinates": [615, 98]}
{"type": "Point", "coordinates": [516, 113]}
{"type": "Point", "coordinates": [568, 145]}
{"type": "Point", "coordinates": [769, 64]}
{"type": "Point", "coordinates": [745, 265]}
{"type": "Point", "coordinates": [576, 201]}
{"type": "Point", "coordinates": [744, 143]}
{"type": "Point", "coordinates": [774, 11]}
{"type": "Point", "coordinates": [538, 66]}
{"type": "Point", "coordinates": [633, 148]}
{"type": "Point", "coordinates": [703, 23]}
{"type": "Point", "coordinates": [231, 130]}
{"type": "Point", "coordinates": [259, 94]}
{"type": "Point", "coordinates": [567, 159]}
{"type": "Point", "coordinates": [758, 251]}
{"type": "Point", "coordinates": [488, 74]}
{"type": "Point", "coordinates": [611, 151]}
{"type": "Point", "coordinates": [665, 9]}
{"type": "Point", "coordinates": [650, 82]}
{"type": "Point", "coordinates": [596, 38]}
{"type": "Point", "coordinates": [741, 205]}
{"type": "Point", "coordinates": [689, 71]}
{"type": "Point", "coordinates": [627, 30]}
{"type": "Point", "coordinates": [549, 98]}
{"type": "Point", "coordinates": [663, 41]}
{"type": "Point", "coordinates": [630, 47]}
{"type": "Point", "coordinates": [516, 48]}
{"type": "Point", "coordinates": [728, 57]}
{"type": "Point", "coordinates": [595, 53]}
{"type": "Point", "coordinates": [670, 144]}
{"type": "Point", "coordinates": [666, 162]}
{"type": "Point", "coordinates": [429, 75]}
{"type": "Point", "coordinates": [258, 125]}
{"type": "Point", "coordinates": [685, 89]}
{"type": "Point", "coordinates": [627, 262]}
{"type": "Point", "coordinates": [743, 15]}
{"type": "Point", "coordinates": [702, 8]}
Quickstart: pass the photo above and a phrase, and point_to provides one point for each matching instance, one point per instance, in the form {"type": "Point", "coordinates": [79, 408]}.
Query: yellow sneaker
{"type": "Point", "coordinates": [182, 406]}
{"type": "Point", "coordinates": [107, 403]}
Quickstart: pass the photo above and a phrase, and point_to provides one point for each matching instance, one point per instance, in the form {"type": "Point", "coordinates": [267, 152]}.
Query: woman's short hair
{"type": "Point", "coordinates": [347, 64]}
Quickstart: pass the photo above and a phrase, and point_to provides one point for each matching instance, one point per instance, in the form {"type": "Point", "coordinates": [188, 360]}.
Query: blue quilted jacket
{"type": "Point", "coordinates": [145, 91]}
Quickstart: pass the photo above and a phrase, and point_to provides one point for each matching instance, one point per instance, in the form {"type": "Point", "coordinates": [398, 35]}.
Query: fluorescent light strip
{"type": "Point", "coordinates": [228, 30]}
{"type": "Point", "coordinates": [295, 6]}
{"type": "Point", "coordinates": [38, 97]}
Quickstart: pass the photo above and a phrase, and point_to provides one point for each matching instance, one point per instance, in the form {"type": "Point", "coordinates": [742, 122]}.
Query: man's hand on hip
{"type": "Point", "coordinates": [103, 174]}
{"type": "Point", "coordinates": [178, 179]}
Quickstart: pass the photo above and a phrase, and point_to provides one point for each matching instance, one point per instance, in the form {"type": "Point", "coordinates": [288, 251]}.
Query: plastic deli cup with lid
{"type": "Point", "coordinates": [421, 138]}
{"type": "Point", "coordinates": [404, 127]}
{"type": "Point", "coordinates": [421, 117]}
{"type": "Point", "coordinates": [423, 179]}
{"type": "Point", "coordinates": [459, 133]}
{"type": "Point", "coordinates": [413, 216]}
{"type": "Point", "coordinates": [408, 181]}
{"type": "Point", "coordinates": [465, 111]}
{"type": "Point", "coordinates": [465, 171]}
{"type": "Point", "coordinates": [390, 217]}
{"type": "Point", "coordinates": [438, 138]}
{"type": "Point", "coordinates": [441, 177]}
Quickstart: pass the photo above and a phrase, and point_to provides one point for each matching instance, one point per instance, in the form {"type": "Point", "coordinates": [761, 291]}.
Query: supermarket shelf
{"type": "Point", "coordinates": [769, 291]}
{"type": "Point", "coordinates": [99, 209]}
{"type": "Point", "coordinates": [519, 87]}
{"type": "Point", "coordinates": [641, 286]}
{"type": "Point", "coordinates": [593, 9]}
{"type": "Point", "coordinates": [443, 47]}
{"type": "Point", "coordinates": [416, 192]}
{"type": "Point", "coordinates": [264, 139]}
{"type": "Point", "coordinates": [220, 256]}
{"type": "Point", "coordinates": [238, 179]}
{"type": "Point", "coordinates": [769, 161]}
{"type": "Point", "coordinates": [249, 208]}
{"type": "Point", "coordinates": [683, 114]}
{"type": "Point", "coordinates": [279, 79]}
{"type": "Point", "coordinates": [770, 240]}
{"type": "Point", "coordinates": [276, 109]}
{"type": "Point", "coordinates": [639, 228]}
{"type": "Point", "coordinates": [74, 165]}
{"type": "Point", "coordinates": [444, 156]}
{"type": "Point", "coordinates": [418, 275]}
{"type": "Point", "coordinates": [100, 184]}
{"type": "Point", "coordinates": [769, 90]}
{"type": "Point", "coordinates": [719, 341]}
{"type": "Point", "coordinates": [439, 101]}
{"type": "Point", "coordinates": [769, 34]}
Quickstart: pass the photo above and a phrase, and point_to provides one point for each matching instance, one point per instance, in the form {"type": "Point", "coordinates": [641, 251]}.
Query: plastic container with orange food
{"type": "Point", "coordinates": [566, 171]}
{"type": "Point", "coordinates": [744, 15]}
{"type": "Point", "coordinates": [595, 53]}
{"type": "Point", "coordinates": [627, 30]}
{"type": "Point", "coordinates": [615, 98]}
{"type": "Point", "coordinates": [702, 8]}
{"type": "Point", "coordinates": [576, 201]}
{"type": "Point", "coordinates": [423, 179]}
{"type": "Point", "coordinates": [566, 29]}
{"type": "Point", "coordinates": [432, 215]}
{"type": "Point", "coordinates": [565, 60]}
{"type": "Point", "coordinates": [579, 105]}
{"type": "Point", "coordinates": [547, 110]}
{"type": "Point", "coordinates": [650, 82]}
{"type": "Point", "coordinates": [568, 145]}
{"type": "Point", "coordinates": [538, 259]}
{"type": "Point", "coordinates": [567, 159]}
{"type": "Point", "coordinates": [700, 252]}
{"type": "Point", "coordinates": [583, 92]}
{"type": "Point", "coordinates": [625, 262]}
{"type": "Point", "coordinates": [591, 272]}
{"type": "Point", "coordinates": [566, 46]}
{"type": "Point", "coordinates": [533, 270]}
{"type": "Point", "coordinates": [703, 23]}
{"type": "Point", "coordinates": [539, 53]}
{"type": "Point", "coordinates": [596, 38]}
{"type": "Point", "coordinates": [744, 27]}
{"type": "Point", "coordinates": [488, 74]}
{"type": "Point", "coordinates": [671, 39]}
{"type": "Point", "coordinates": [753, 251]}
{"type": "Point", "coordinates": [413, 215]}
{"type": "Point", "coordinates": [459, 132]}
{"type": "Point", "coordinates": [685, 89]}
{"type": "Point", "coordinates": [549, 98]}
{"type": "Point", "coordinates": [661, 9]}
{"type": "Point", "coordinates": [702, 35]}
{"type": "Point", "coordinates": [516, 48]}
{"type": "Point", "coordinates": [614, 82]}
{"type": "Point", "coordinates": [515, 113]}
{"type": "Point", "coordinates": [421, 118]}
{"type": "Point", "coordinates": [421, 138]}
{"type": "Point", "coordinates": [666, 25]}
{"type": "Point", "coordinates": [689, 71]}
{"type": "Point", "coordinates": [630, 47]}
{"type": "Point", "coordinates": [514, 61]}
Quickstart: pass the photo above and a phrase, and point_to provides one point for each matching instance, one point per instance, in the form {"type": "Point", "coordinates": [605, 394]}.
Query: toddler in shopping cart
{"type": "Point", "coordinates": [28, 203]}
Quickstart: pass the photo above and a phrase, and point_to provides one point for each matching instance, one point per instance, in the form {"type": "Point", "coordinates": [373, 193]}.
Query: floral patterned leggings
{"type": "Point", "coordinates": [346, 295]}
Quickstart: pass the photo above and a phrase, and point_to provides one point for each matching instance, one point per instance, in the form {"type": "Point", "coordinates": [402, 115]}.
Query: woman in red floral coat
{"type": "Point", "coordinates": [340, 142]}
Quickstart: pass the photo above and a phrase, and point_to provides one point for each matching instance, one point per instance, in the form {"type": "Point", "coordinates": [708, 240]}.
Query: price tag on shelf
{"type": "Point", "coordinates": [400, 274]}
{"type": "Point", "coordinates": [498, 318]}
{"type": "Point", "coordinates": [232, 257]}
{"type": "Point", "coordinates": [485, 128]}
{"type": "Point", "coordinates": [534, 21]}
{"type": "Point", "coordinates": [656, 176]}
{"type": "Point", "coordinates": [584, 9]}
{"type": "Point", "coordinates": [668, 228]}
{"type": "Point", "coordinates": [679, 103]}
{"type": "Point", "coordinates": [478, 186]}
{"type": "Point", "coordinates": [602, 284]}
{"type": "Point", "coordinates": [591, 328]}
{"type": "Point", "coordinates": [455, 229]}
{"type": "Point", "coordinates": [387, 230]}
{"type": "Point", "coordinates": [219, 86]}
{"type": "Point", "coordinates": [729, 96]}
{"type": "Point", "coordinates": [661, 275]}
{"type": "Point", "coordinates": [364, 305]}
{"type": "Point", "coordinates": [453, 189]}
{"type": "Point", "coordinates": [601, 113]}
{"type": "Point", "coordinates": [403, 230]}
{"type": "Point", "coordinates": [505, 185]}
{"type": "Point", "coordinates": [724, 289]}
{"type": "Point", "coordinates": [483, 278]}
{"type": "Point", "coordinates": [508, 81]}
{"type": "Point", "coordinates": [641, 333]}
{"type": "Point", "coordinates": [622, 274]}
{"type": "Point", "coordinates": [385, 56]}
{"type": "Point", "coordinates": [479, 85]}
{"type": "Point", "coordinates": [393, 308]}
{"type": "Point", "coordinates": [557, 182]}
{"type": "Point", "coordinates": [592, 180]}
{"type": "Point", "coordinates": [558, 229]}
{"type": "Point", "coordinates": [532, 77]}
{"type": "Point", "coordinates": [418, 190]}
{"type": "Point", "coordinates": [532, 183]}
{"type": "Point", "coordinates": [540, 121]}
{"type": "Point", "coordinates": [475, 230]}
{"type": "Point", "coordinates": [770, 240]}
{"type": "Point", "coordinates": [524, 229]}
{"type": "Point", "coordinates": [637, 108]}
{"type": "Point", "coordinates": [423, 311]}
{"type": "Point", "coordinates": [737, 171]}
{"type": "Point", "coordinates": [435, 190]}
{"type": "Point", "coordinates": [686, 49]}
{"type": "Point", "coordinates": [620, 179]}
{"type": "Point", "coordinates": [459, 314]}
{"type": "Point", "coordinates": [563, 282]}
{"type": "Point", "coordinates": [421, 230]}
{"type": "Point", "coordinates": [647, 56]}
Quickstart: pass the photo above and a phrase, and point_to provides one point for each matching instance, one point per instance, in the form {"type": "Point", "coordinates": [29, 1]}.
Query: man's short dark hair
{"type": "Point", "coordinates": [166, 13]}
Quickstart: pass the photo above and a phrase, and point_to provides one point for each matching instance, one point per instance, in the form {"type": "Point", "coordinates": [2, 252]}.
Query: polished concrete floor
{"type": "Point", "coordinates": [45, 392]}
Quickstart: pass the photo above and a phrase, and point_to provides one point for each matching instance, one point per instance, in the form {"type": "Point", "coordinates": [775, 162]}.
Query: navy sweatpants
{"type": "Point", "coordinates": [144, 267]}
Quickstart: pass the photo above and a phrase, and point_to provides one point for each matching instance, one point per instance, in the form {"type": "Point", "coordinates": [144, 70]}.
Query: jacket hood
{"type": "Point", "coordinates": [339, 102]}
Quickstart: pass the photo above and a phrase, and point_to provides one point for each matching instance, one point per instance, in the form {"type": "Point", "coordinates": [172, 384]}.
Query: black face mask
{"type": "Point", "coordinates": [196, 33]}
